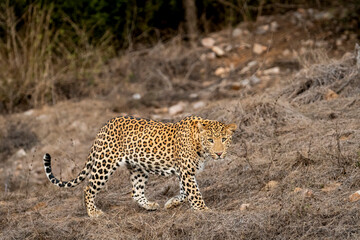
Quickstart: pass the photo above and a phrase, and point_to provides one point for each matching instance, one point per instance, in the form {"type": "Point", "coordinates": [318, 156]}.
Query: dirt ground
{"type": "Point", "coordinates": [291, 170]}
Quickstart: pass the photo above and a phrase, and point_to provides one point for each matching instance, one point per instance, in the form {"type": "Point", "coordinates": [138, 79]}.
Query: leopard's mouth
{"type": "Point", "coordinates": [217, 158]}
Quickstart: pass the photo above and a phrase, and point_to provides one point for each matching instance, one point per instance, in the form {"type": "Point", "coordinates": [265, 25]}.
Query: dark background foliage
{"type": "Point", "coordinates": [153, 20]}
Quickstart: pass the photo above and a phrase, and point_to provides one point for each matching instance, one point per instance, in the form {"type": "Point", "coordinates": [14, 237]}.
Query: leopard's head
{"type": "Point", "coordinates": [215, 137]}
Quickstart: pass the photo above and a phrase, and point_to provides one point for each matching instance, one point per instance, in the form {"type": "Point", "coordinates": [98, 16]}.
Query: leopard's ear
{"type": "Point", "coordinates": [231, 127]}
{"type": "Point", "coordinates": [201, 126]}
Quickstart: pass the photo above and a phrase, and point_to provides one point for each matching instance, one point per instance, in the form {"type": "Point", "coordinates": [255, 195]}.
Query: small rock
{"type": "Point", "coordinates": [199, 104]}
{"type": "Point", "coordinates": [321, 44]}
{"type": "Point", "coordinates": [136, 96]}
{"type": "Point", "coordinates": [79, 125]}
{"type": "Point", "coordinates": [193, 95]}
{"type": "Point", "coordinates": [245, 82]}
{"type": "Point", "coordinates": [252, 64]}
{"type": "Point", "coordinates": [42, 117]}
{"type": "Point", "coordinates": [254, 80]}
{"type": "Point", "coordinates": [323, 16]}
{"type": "Point", "coordinates": [29, 112]}
{"type": "Point", "coordinates": [244, 206]}
{"type": "Point", "coordinates": [207, 83]}
{"type": "Point", "coordinates": [308, 43]}
{"type": "Point", "coordinates": [203, 57]}
{"type": "Point", "coordinates": [237, 32]}
{"type": "Point", "coordinates": [330, 95]}
{"type": "Point", "coordinates": [228, 48]}
{"type": "Point", "coordinates": [208, 42]}
{"type": "Point", "coordinates": [19, 166]}
{"type": "Point", "coordinates": [308, 193]}
{"type": "Point", "coordinates": [222, 71]}
{"type": "Point", "coordinates": [218, 51]}
{"type": "Point", "coordinates": [339, 42]}
{"type": "Point", "coordinates": [161, 110]}
{"type": "Point", "coordinates": [274, 26]}
{"type": "Point", "coordinates": [355, 196]}
{"type": "Point", "coordinates": [211, 55]}
{"type": "Point", "coordinates": [331, 187]}
{"type": "Point", "coordinates": [262, 29]}
{"type": "Point", "coordinates": [156, 116]}
{"type": "Point", "coordinates": [20, 153]}
{"type": "Point", "coordinates": [178, 108]}
{"type": "Point", "coordinates": [272, 71]}
{"type": "Point", "coordinates": [286, 52]}
{"type": "Point", "coordinates": [259, 49]}
{"type": "Point", "coordinates": [248, 67]}
{"type": "Point", "coordinates": [271, 185]}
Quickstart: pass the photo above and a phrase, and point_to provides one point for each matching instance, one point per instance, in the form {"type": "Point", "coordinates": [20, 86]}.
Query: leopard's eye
{"type": "Point", "coordinates": [223, 139]}
{"type": "Point", "coordinates": [211, 140]}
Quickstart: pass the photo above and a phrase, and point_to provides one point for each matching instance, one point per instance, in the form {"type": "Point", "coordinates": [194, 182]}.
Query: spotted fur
{"type": "Point", "coordinates": [149, 147]}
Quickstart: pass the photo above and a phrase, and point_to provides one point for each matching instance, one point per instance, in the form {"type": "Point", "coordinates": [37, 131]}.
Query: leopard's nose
{"type": "Point", "coordinates": [219, 153]}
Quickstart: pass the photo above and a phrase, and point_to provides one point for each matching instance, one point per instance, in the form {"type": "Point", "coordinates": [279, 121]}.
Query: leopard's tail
{"type": "Point", "coordinates": [67, 184]}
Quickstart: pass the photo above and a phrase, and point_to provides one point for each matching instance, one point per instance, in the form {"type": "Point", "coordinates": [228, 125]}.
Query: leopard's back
{"type": "Point", "coordinates": [136, 142]}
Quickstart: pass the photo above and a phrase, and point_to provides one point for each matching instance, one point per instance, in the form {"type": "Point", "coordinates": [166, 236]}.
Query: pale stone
{"type": "Point", "coordinates": [258, 48]}
{"type": "Point", "coordinates": [355, 196]}
{"type": "Point", "coordinates": [272, 71]}
{"type": "Point", "coordinates": [308, 43]}
{"type": "Point", "coordinates": [244, 206]}
{"type": "Point", "coordinates": [211, 55]}
{"type": "Point", "coordinates": [271, 185]}
{"type": "Point", "coordinates": [331, 187]}
{"type": "Point", "coordinates": [237, 32]}
{"type": "Point", "coordinates": [274, 26]}
{"type": "Point", "coordinates": [254, 80]}
{"type": "Point", "coordinates": [136, 96]}
{"type": "Point", "coordinates": [218, 51]}
{"type": "Point", "coordinates": [208, 42]}
{"type": "Point", "coordinates": [308, 193]}
{"type": "Point", "coordinates": [262, 29]}
{"type": "Point", "coordinates": [222, 71]}
{"type": "Point", "coordinates": [20, 153]}
{"type": "Point", "coordinates": [245, 82]}
{"type": "Point", "coordinates": [193, 95]}
{"type": "Point", "coordinates": [176, 109]}
{"type": "Point", "coordinates": [29, 112]}
{"type": "Point", "coordinates": [161, 110]}
{"type": "Point", "coordinates": [199, 104]}
{"type": "Point", "coordinates": [330, 95]}
{"type": "Point", "coordinates": [286, 52]}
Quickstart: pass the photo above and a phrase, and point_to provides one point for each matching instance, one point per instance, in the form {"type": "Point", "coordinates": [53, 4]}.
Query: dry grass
{"type": "Point", "coordinates": [297, 146]}
{"type": "Point", "coordinates": [41, 65]}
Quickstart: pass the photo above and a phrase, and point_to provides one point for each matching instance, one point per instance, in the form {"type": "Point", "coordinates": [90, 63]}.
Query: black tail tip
{"type": "Point", "coordinates": [47, 157]}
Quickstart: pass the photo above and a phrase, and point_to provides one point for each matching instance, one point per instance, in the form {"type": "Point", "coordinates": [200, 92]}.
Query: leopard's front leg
{"type": "Point", "coordinates": [192, 191]}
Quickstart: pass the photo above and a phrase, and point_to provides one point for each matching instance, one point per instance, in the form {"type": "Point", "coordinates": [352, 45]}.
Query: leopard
{"type": "Point", "coordinates": [147, 147]}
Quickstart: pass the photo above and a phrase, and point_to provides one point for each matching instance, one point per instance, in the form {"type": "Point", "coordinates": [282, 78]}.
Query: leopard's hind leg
{"type": "Point", "coordinates": [139, 178]}
{"type": "Point", "coordinates": [101, 171]}
{"type": "Point", "coordinates": [178, 199]}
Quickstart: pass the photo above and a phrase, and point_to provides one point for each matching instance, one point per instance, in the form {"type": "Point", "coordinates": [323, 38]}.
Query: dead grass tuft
{"type": "Point", "coordinates": [311, 84]}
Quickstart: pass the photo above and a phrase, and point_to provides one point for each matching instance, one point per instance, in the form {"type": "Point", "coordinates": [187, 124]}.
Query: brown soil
{"type": "Point", "coordinates": [295, 158]}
